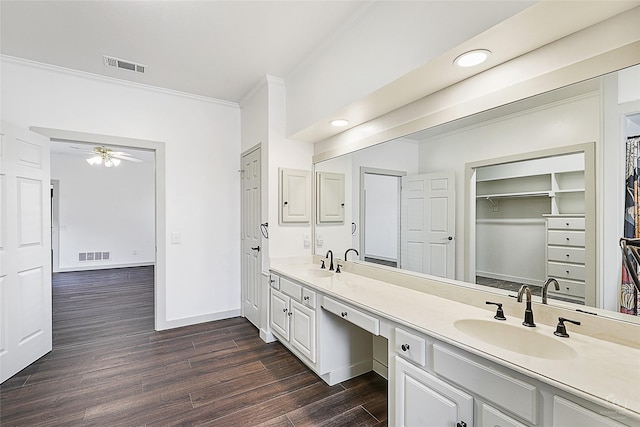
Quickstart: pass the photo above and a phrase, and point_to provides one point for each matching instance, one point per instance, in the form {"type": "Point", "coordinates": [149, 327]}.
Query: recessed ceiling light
{"type": "Point", "coordinates": [472, 58]}
{"type": "Point", "coordinates": [339, 122]}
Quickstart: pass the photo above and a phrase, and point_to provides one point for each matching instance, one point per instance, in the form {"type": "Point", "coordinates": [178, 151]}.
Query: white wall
{"type": "Point", "coordinates": [285, 240]}
{"type": "Point", "coordinates": [566, 123]}
{"type": "Point", "coordinates": [202, 145]}
{"type": "Point", "coordinates": [105, 209]}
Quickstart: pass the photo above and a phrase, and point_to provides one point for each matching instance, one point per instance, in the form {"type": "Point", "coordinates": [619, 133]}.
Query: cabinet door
{"type": "Point", "coordinates": [295, 200]}
{"type": "Point", "coordinates": [303, 329]}
{"type": "Point", "coordinates": [280, 313]}
{"type": "Point", "coordinates": [424, 400]}
{"type": "Point", "coordinates": [330, 197]}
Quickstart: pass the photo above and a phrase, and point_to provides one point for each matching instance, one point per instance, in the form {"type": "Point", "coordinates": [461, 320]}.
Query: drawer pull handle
{"type": "Point", "coordinates": [404, 347]}
{"type": "Point", "coordinates": [343, 314]}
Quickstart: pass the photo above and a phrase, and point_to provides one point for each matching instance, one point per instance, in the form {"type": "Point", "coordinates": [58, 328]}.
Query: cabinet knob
{"type": "Point", "coordinates": [404, 347]}
{"type": "Point", "coordinates": [343, 314]}
{"type": "Point", "coordinates": [284, 310]}
{"type": "Point", "coordinates": [567, 271]}
{"type": "Point", "coordinates": [567, 239]}
{"type": "Point", "coordinates": [290, 314]}
{"type": "Point", "coordinates": [286, 203]}
{"type": "Point", "coordinates": [306, 298]}
{"type": "Point", "coordinates": [567, 223]}
{"type": "Point", "coordinates": [461, 424]}
{"type": "Point", "coordinates": [567, 255]}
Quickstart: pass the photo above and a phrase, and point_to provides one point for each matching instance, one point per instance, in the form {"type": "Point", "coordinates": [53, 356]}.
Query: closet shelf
{"type": "Point", "coordinates": [517, 194]}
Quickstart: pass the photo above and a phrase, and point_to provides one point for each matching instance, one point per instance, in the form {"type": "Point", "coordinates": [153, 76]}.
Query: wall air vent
{"type": "Point", "coordinates": [112, 62]}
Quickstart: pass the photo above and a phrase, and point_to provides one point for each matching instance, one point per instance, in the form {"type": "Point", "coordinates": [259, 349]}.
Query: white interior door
{"type": "Point", "coordinates": [428, 224]}
{"type": "Point", "coordinates": [25, 249]}
{"type": "Point", "coordinates": [251, 259]}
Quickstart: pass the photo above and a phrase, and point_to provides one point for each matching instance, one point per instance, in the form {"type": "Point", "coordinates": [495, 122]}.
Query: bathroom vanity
{"type": "Point", "coordinates": [450, 362]}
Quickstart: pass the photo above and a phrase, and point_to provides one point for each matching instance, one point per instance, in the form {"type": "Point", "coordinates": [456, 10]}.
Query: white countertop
{"type": "Point", "coordinates": [603, 372]}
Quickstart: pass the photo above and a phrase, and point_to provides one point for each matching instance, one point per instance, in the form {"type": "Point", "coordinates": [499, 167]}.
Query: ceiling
{"type": "Point", "coordinates": [217, 49]}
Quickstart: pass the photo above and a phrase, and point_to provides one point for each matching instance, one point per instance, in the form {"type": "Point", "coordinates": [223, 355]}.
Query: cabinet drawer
{"type": "Point", "coordinates": [308, 297]}
{"type": "Point", "coordinates": [565, 271]}
{"type": "Point", "coordinates": [353, 315]}
{"type": "Point", "coordinates": [567, 413]}
{"type": "Point", "coordinates": [274, 281]}
{"type": "Point", "coordinates": [565, 238]}
{"type": "Point", "coordinates": [566, 223]}
{"type": "Point", "coordinates": [292, 289]}
{"type": "Point", "coordinates": [566, 254]}
{"type": "Point", "coordinates": [512, 394]}
{"type": "Point", "coordinates": [410, 346]}
{"type": "Point", "coordinates": [569, 288]}
{"type": "Point", "coordinates": [491, 417]}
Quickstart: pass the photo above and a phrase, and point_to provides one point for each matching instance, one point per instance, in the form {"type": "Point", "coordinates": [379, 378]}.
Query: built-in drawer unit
{"type": "Point", "coordinates": [353, 315]}
{"type": "Point", "coordinates": [565, 238]}
{"type": "Point", "coordinates": [410, 346]}
{"type": "Point", "coordinates": [566, 255]}
{"type": "Point", "coordinates": [292, 289]}
{"type": "Point", "coordinates": [511, 394]}
{"type": "Point", "coordinates": [566, 223]}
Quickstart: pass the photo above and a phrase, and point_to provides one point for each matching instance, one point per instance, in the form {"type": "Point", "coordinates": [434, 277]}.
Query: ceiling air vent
{"type": "Point", "coordinates": [110, 61]}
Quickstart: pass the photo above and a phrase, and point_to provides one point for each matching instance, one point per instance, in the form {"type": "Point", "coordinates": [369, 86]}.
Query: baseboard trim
{"type": "Point", "coordinates": [188, 321]}
{"type": "Point", "coordinates": [101, 267]}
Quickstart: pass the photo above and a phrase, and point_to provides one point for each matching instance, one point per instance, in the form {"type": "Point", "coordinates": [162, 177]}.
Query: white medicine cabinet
{"type": "Point", "coordinates": [330, 202]}
{"type": "Point", "coordinates": [295, 196]}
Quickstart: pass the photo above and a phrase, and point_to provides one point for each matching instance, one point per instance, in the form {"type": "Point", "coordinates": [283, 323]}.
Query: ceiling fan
{"type": "Point", "coordinates": [108, 157]}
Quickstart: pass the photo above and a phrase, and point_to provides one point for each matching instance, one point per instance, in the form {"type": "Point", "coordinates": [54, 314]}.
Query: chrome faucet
{"type": "Point", "coordinates": [546, 286]}
{"type": "Point", "coordinates": [349, 250]}
{"type": "Point", "coordinates": [528, 312]}
{"type": "Point", "coordinates": [329, 252]}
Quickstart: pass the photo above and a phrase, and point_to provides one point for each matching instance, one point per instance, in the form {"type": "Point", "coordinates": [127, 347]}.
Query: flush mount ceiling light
{"type": "Point", "coordinates": [109, 158]}
{"type": "Point", "coordinates": [339, 122]}
{"type": "Point", "coordinates": [472, 58]}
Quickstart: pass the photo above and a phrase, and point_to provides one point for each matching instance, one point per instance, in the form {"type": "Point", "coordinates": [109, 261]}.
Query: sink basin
{"type": "Point", "coordinates": [318, 273]}
{"type": "Point", "coordinates": [520, 339]}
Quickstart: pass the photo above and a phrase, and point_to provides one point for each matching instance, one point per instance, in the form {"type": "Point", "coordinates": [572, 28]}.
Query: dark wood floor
{"type": "Point", "coordinates": [109, 367]}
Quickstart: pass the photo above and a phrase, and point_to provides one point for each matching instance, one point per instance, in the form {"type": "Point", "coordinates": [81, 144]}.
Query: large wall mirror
{"type": "Point", "coordinates": [485, 199]}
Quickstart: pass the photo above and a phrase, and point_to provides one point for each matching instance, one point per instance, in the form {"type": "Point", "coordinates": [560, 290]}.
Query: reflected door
{"type": "Point", "coordinates": [428, 224]}
{"type": "Point", "coordinates": [25, 245]}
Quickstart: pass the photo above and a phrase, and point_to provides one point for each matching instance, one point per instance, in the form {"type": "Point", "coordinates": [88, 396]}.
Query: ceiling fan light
{"type": "Point", "coordinates": [115, 162]}
{"type": "Point", "coordinates": [108, 163]}
{"type": "Point", "coordinates": [94, 160]}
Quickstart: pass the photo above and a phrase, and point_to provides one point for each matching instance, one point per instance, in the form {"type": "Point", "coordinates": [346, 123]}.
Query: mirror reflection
{"type": "Point", "coordinates": [481, 199]}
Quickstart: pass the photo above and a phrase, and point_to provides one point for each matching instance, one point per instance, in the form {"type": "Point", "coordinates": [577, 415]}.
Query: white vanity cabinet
{"type": "Point", "coordinates": [293, 319]}
{"type": "Point", "coordinates": [330, 344]}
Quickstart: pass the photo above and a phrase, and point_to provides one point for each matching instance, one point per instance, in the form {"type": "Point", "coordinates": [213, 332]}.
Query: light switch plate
{"type": "Point", "coordinates": [175, 237]}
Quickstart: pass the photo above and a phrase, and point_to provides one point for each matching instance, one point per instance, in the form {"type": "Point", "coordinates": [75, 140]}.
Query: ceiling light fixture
{"type": "Point", "coordinates": [103, 156]}
{"type": "Point", "coordinates": [472, 58]}
{"type": "Point", "coordinates": [339, 122]}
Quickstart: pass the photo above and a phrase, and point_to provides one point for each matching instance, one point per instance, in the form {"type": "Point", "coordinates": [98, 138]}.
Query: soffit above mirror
{"type": "Point", "coordinates": [440, 73]}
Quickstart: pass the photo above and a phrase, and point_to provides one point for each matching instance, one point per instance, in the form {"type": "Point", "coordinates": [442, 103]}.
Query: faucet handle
{"type": "Point", "coordinates": [322, 265]}
{"type": "Point", "coordinates": [499, 313]}
{"type": "Point", "coordinates": [338, 268]}
{"type": "Point", "coordinates": [561, 329]}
